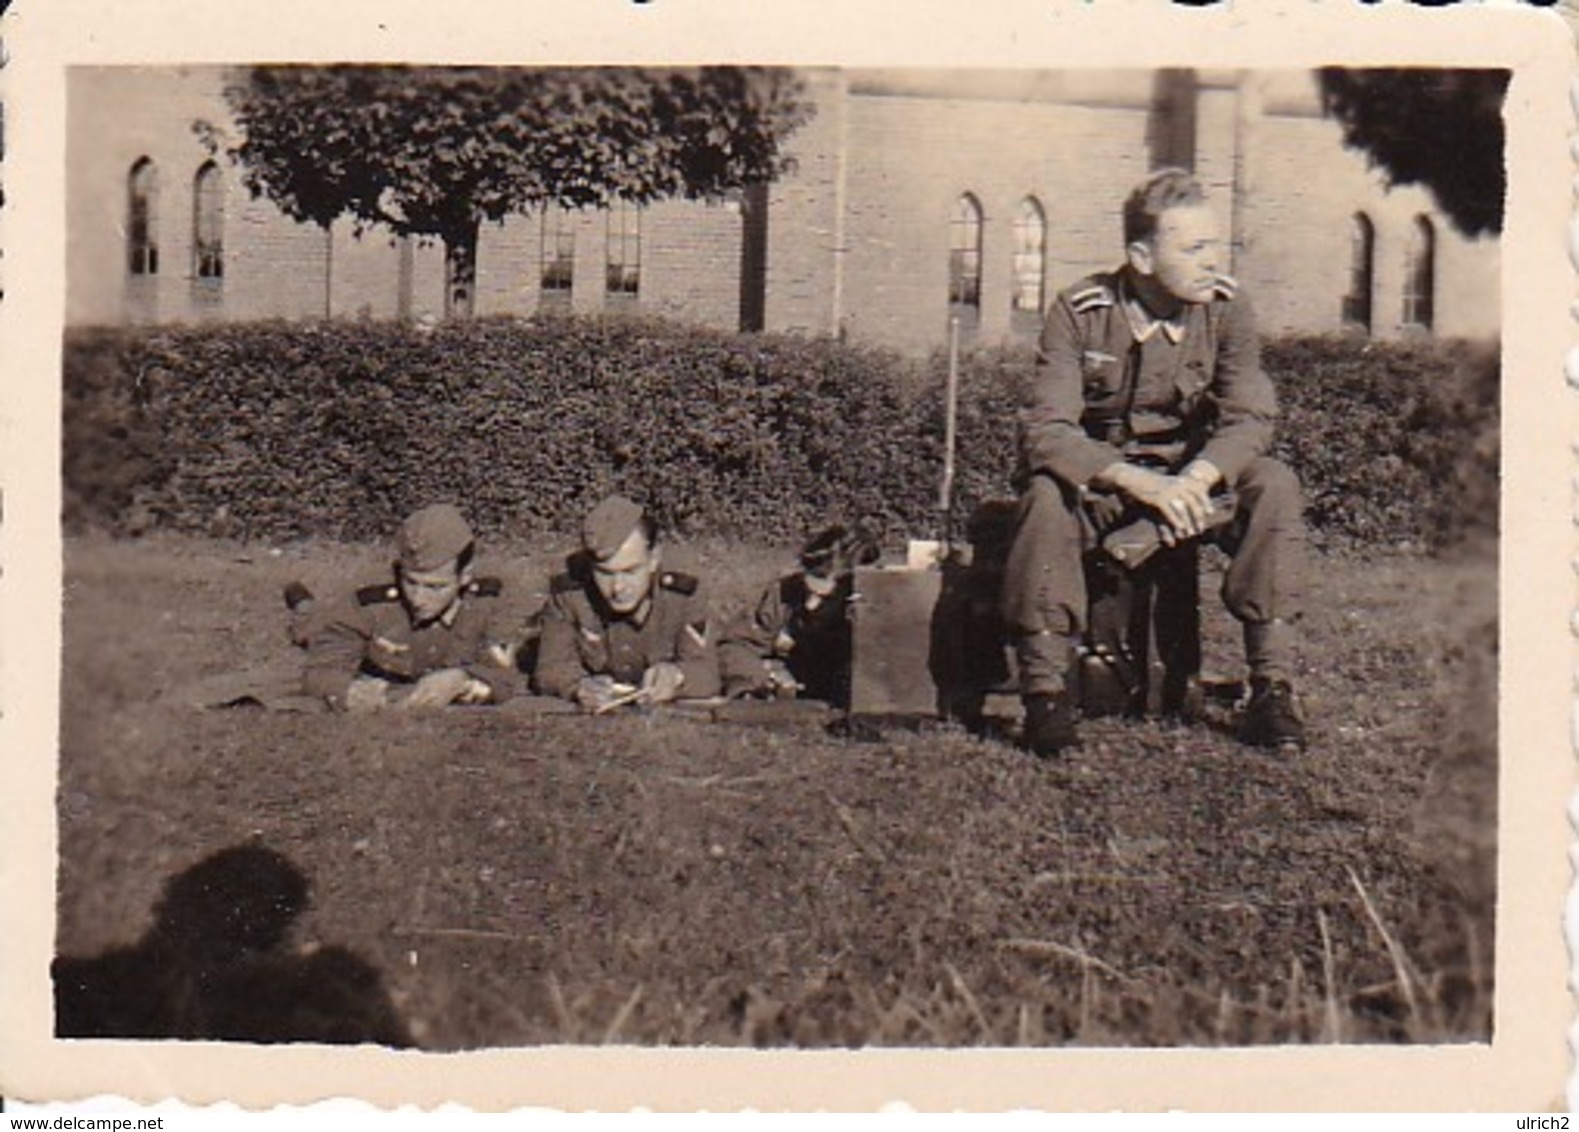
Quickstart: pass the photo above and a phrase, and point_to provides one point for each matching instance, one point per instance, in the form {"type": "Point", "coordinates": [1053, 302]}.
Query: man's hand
{"type": "Point", "coordinates": [366, 694]}
{"type": "Point", "coordinates": [661, 683]}
{"type": "Point", "coordinates": [781, 682]}
{"type": "Point", "coordinates": [599, 693]}
{"type": "Point", "coordinates": [1183, 503]}
{"type": "Point", "coordinates": [438, 689]}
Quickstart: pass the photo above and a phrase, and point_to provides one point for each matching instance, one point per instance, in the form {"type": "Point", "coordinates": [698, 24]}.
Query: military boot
{"type": "Point", "coordinates": [1271, 718]}
{"type": "Point", "coordinates": [1050, 724]}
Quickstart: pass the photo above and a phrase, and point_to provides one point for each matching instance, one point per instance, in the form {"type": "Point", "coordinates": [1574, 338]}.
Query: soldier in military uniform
{"type": "Point", "coordinates": [431, 635]}
{"type": "Point", "coordinates": [618, 627]}
{"type": "Point", "coordinates": [796, 640]}
{"type": "Point", "coordinates": [1148, 398]}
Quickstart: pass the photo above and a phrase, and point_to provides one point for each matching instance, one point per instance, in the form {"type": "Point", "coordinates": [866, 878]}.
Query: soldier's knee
{"type": "Point", "coordinates": [1041, 496]}
{"type": "Point", "coordinates": [1271, 481]}
{"type": "Point", "coordinates": [1272, 473]}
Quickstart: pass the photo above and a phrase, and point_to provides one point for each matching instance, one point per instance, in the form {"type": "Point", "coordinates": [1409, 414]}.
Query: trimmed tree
{"type": "Point", "coordinates": [433, 152]}
{"type": "Point", "coordinates": [1436, 126]}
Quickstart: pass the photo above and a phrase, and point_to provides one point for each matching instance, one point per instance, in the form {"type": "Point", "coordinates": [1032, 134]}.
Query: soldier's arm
{"type": "Point", "coordinates": [559, 667]}
{"type": "Point", "coordinates": [1246, 403]}
{"type": "Point", "coordinates": [500, 643]}
{"type": "Point", "coordinates": [503, 684]}
{"type": "Point", "coordinates": [697, 651]}
{"type": "Point", "coordinates": [1051, 437]}
{"type": "Point", "coordinates": [746, 644]}
{"type": "Point", "coordinates": [335, 651]}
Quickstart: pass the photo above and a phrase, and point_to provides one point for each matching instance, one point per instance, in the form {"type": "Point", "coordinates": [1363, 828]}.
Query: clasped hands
{"type": "Point", "coordinates": [1182, 503]}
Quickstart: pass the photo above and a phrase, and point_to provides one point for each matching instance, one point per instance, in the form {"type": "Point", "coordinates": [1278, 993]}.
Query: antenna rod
{"type": "Point", "coordinates": [950, 422]}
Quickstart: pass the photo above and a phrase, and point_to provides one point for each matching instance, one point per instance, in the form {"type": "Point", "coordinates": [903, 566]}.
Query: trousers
{"type": "Point", "coordinates": [1044, 587]}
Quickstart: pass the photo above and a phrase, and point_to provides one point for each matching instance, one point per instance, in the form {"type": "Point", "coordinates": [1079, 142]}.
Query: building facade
{"type": "Point", "coordinates": [917, 198]}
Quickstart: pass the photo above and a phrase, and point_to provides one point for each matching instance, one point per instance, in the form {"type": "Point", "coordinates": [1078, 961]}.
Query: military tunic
{"type": "Point", "coordinates": [810, 634]}
{"type": "Point", "coordinates": [371, 633]}
{"type": "Point", "coordinates": [582, 637]}
{"type": "Point", "coordinates": [1114, 384]}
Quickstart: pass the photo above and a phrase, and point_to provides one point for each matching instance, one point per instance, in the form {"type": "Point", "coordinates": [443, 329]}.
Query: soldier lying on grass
{"type": "Point", "coordinates": [431, 635]}
{"type": "Point", "coordinates": [620, 629]}
{"type": "Point", "coordinates": [796, 640]}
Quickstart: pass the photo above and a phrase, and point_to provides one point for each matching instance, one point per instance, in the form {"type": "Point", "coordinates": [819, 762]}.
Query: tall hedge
{"type": "Point", "coordinates": [1396, 443]}
{"type": "Point", "coordinates": [280, 430]}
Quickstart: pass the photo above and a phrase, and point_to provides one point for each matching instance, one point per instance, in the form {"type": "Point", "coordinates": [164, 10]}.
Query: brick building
{"type": "Point", "coordinates": [917, 196]}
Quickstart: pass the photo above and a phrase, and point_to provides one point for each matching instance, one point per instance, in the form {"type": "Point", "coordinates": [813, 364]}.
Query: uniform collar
{"type": "Point", "coordinates": [1143, 324]}
{"type": "Point", "coordinates": [637, 618]}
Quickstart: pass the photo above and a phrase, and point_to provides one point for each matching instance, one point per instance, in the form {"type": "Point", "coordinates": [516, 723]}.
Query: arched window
{"type": "Point", "coordinates": [1362, 272]}
{"type": "Point", "coordinates": [964, 257]}
{"type": "Point", "coordinates": [208, 223]}
{"type": "Point", "coordinates": [622, 272]}
{"type": "Point", "coordinates": [1420, 275]}
{"type": "Point", "coordinates": [1030, 254]}
{"type": "Point", "coordinates": [142, 218]}
{"type": "Point", "coordinates": [559, 252]}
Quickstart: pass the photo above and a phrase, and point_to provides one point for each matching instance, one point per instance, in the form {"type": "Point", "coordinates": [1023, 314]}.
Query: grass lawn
{"type": "Point", "coordinates": [523, 878]}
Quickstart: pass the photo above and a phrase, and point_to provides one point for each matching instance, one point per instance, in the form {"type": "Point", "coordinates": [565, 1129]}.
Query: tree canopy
{"type": "Point", "coordinates": [1438, 127]}
{"type": "Point", "coordinates": [435, 151]}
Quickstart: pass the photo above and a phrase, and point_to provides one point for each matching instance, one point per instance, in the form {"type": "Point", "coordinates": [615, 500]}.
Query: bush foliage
{"type": "Point", "coordinates": [1395, 443]}
{"type": "Point", "coordinates": [282, 430]}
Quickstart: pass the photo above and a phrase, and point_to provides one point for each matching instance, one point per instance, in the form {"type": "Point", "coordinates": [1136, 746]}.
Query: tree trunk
{"type": "Point", "coordinates": [460, 271]}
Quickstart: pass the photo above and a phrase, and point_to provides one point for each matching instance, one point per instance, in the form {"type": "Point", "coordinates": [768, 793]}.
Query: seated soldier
{"type": "Point", "coordinates": [618, 628]}
{"type": "Point", "coordinates": [1148, 400]}
{"type": "Point", "coordinates": [431, 635]}
{"type": "Point", "coordinates": [796, 640]}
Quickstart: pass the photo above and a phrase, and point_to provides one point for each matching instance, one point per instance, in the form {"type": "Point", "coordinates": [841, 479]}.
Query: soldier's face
{"type": "Point", "coordinates": [625, 577]}
{"type": "Point", "coordinates": [1182, 256]}
{"type": "Point", "coordinates": [430, 593]}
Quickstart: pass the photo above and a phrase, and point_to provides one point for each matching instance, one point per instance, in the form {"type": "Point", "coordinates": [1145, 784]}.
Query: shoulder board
{"type": "Point", "coordinates": [377, 595]}
{"type": "Point", "coordinates": [1226, 286]}
{"type": "Point", "coordinates": [1090, 298]}
{"type": "Point", "coordinates": [485, 587]}
{"type": "Point", "coordinates": [679, 583]}
{"type": "Point", "coordinates": [564, 583]}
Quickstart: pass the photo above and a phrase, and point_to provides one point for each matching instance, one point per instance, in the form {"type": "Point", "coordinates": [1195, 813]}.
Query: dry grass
{"type": "Point", "coordinates": [524, 879]}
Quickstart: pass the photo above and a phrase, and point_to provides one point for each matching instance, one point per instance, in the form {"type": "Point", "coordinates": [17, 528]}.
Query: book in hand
{"type": "Point", "coordinates": [1133, 544]}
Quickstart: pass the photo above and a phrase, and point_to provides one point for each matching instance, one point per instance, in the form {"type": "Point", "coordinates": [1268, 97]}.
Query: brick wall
{"type": "Point", "coordinates": [689, 259]}
{"type": "Point", "coordinates": [911, 159]}
{"type": "Point", "coordinates": [805, 280]}
{"type": "Point", "coordinates": [857, 237]}
{"type": "Point", "coordinates": [118, 116]}
{"type": "Point", "coordinates": [275, 267]}
{"type": "Point", "coordinates": [1301, 190]}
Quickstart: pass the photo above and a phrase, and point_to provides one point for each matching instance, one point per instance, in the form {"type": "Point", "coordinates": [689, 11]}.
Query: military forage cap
{"type": "Point", "coordinates": [838, 549]}
{"type": "Point", "coordinates": [433, 536]}
{"type": "Point", "coordinates": [609, 525]}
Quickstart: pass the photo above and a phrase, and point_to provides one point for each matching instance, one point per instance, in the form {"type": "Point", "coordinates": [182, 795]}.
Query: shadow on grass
{"type": "Point", "coordinates": [215, 966]}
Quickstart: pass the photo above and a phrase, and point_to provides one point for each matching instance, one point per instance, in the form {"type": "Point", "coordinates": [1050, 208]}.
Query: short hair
{"type": "Point", "coordinates": [1164, 189]}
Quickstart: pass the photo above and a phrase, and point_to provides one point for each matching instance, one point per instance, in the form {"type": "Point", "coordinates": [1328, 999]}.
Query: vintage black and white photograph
{"type": "Point", "coordinates": [783, 556]}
